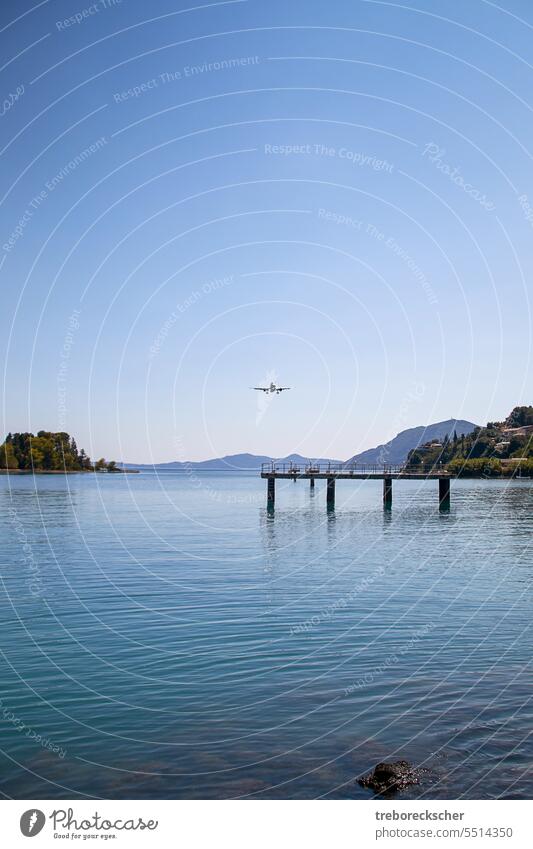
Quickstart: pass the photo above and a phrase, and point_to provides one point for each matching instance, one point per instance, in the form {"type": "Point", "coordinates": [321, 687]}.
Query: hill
{"type": "Point", "coordinates": [500, 448]}
{"type": "Point", "coordinates": [397, 450]}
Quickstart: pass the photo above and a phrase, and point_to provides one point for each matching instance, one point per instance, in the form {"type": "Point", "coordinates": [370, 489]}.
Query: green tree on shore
{"type": "Point", "coordinates": [48, 451]}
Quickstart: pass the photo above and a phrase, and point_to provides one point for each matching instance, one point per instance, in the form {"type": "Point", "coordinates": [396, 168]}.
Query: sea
{"type": "Point", "coordinates": [167, 636]}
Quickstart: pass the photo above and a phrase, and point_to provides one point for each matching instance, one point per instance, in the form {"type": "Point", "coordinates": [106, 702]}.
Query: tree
{"type": "Point", "coordinates": [47, 451]}
{"type": "Point", "coordinates": [520, 416]}
{"type": "Point", "coordinates": [479, 447]}
{"type": "Point", "coordinates": [7, 456]}
{"type": "Point", "coordinates": [414, 459]}
{"type": "Point", "coordinates": [517, 445]}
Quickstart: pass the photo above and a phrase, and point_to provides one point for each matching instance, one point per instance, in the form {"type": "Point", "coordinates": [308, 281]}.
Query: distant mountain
{"type": "Point", "coordinates": [229, 463]}
{"type": "Point", "coordinates": [397, 449]}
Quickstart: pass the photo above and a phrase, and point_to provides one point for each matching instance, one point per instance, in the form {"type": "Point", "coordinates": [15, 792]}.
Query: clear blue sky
{"type": "Point", "coordinates": [338, 195]}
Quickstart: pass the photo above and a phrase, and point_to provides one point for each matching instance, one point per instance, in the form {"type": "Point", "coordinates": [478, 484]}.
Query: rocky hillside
{"type": "Point", "coordinates": [397, 450]}
{"type": "Point", "coordinates": [500, 448]}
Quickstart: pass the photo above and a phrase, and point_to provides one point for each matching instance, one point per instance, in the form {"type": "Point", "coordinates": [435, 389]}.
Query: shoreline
{"type": "Point", "coordinates": [67, 472]}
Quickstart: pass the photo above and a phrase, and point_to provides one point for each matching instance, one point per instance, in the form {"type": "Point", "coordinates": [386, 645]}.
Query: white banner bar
{"type": "Point", "coordinates": [267, 824]}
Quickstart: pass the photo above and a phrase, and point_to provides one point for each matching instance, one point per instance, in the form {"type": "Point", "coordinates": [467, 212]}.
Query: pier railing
{"type": "Point", "coordinates": [309, 468]}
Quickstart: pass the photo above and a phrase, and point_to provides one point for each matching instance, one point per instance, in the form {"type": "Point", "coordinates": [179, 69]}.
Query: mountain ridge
{"type": "Point", "coordinates": [397, 449]}
{"type": "Point", "coordinates": [394, 451]}
{"type": "Point", "coordinates": [230, 462]}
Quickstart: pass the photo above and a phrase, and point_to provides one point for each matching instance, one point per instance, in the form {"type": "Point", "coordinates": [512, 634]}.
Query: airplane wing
{"type": "Point", "coordinates": [283, 388]}
{"type": "Point", "coordinates": [261, 388]}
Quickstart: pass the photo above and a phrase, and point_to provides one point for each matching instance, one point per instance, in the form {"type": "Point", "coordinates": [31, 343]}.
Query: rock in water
{"type": "Point", "coordinates": [387, 777]}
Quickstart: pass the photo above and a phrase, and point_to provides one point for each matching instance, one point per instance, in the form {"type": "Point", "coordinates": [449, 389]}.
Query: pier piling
{"type": "Point", "coordinates": [271, 491]}
{"type": "Point", "coordinates": [330, 490]}
{"type": "Point", "coordinates": [444, 493]}
{"type": "Point", "coordinates": [387, 491]}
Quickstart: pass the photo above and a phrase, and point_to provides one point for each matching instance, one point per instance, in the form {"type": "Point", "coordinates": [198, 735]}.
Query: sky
{"type": "Point", "coordinates": [200, 198]}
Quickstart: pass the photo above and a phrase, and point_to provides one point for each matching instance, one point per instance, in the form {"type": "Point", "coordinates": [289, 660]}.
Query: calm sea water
{"type": "Point", "coordinates": [166, 637]}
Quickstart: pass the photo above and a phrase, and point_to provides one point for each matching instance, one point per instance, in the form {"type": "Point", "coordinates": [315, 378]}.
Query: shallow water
{"type": "Point", "coordinates": [168, 638]}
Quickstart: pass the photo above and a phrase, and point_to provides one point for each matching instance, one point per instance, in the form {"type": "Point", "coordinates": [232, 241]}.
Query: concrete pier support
{"type": "Point", "coordinates": [444, 493]}
{"type": "Point", "coordinates": [330, 493]}
{"type": "Point", "coordinates": [271, 491]}
{"type": "Point", "coordinates": [311, 483]}
{"type": "Point", "coordinates": [387, 491]}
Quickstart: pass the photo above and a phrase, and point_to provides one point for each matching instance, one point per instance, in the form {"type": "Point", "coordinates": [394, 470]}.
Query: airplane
{"type": "Point", "coordinates": [271, 389]}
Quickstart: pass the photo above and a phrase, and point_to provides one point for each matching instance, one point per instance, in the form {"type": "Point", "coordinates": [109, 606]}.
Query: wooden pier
{"type": "Point", "coordinates": [331, 473]}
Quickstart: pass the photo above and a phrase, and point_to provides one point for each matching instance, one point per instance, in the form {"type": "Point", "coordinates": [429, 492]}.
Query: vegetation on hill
{"type": "Point", "coordinates": [397, 449]}
{"type": "Point", "coordinates": [48, 452]}
{"type": "Point", "coordinates": [501, 448]}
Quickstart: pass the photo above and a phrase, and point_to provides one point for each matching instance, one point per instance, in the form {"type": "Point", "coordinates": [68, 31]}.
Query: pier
{"type": "Point", "coordinates": [331, 473]}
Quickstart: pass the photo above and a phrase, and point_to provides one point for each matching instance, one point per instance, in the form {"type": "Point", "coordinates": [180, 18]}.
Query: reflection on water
{"type": "Point", "coordinates": [161, 639]}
